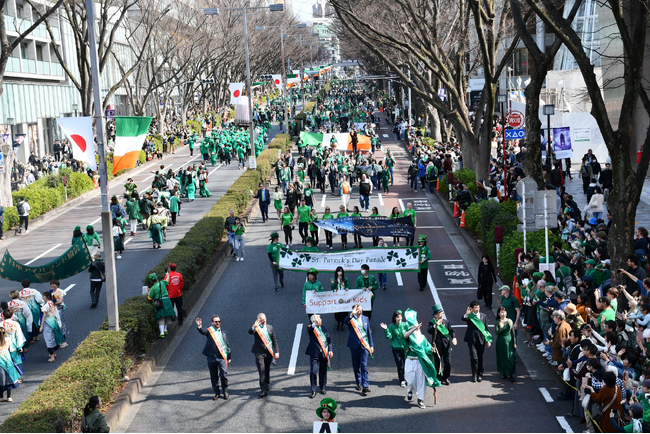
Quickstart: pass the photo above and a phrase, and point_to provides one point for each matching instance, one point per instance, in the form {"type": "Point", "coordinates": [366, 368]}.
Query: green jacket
{"type": "Point", "coordinates": [395, 333]}
{"type": "Point", "coordinates": [94, 422]}
{"type": "Point", "coordinates": [309, 286]}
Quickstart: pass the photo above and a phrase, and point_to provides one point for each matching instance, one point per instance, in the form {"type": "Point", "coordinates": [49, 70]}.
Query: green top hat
{"type": "Point", "coordinates": [421, 238]}
{"type": "Point", "coordinates": [274, 235]}
{"type": "Point", "coordinates": [311, 240]}
{"type": "Point", "coordinates": [313, 271]}
{"type": "Point", "coordinates": [329, 404]}
{"type": "Point", "coordinates": [436, 309]}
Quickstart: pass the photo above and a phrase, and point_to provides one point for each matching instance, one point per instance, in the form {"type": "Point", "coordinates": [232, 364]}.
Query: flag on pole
{"type": "Point", "coordinates": [277, 80]}
{"type": "Point", "coordinates": [292, 79]}
{"type": "Point", "coordinates": [236, 92]}
{"type": "Point", "coordinates": [130, 132]}
{"type": "Point", "coordinates": [80, 133]}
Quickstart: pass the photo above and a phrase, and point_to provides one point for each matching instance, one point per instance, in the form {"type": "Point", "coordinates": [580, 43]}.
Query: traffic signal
{"type": "Point", "coordinates": [207, 81]}
{"type": "Point", "coordinates": [266, 77]}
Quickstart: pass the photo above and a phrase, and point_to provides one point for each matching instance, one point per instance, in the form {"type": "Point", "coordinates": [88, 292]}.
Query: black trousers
{"type": "Point", "coordinates": [174, 218]}
{"type": "Point", "coordinates": [318, 371]}
{"type": "Point", "coordinates": [486, 293]}
{"type": "Point", "coordinates": [314, 235]}
{"type": "Point", "coordinates": [263, 362]}
{"type": "Point", "coordinates": [303, 230]}
{"type": "Point", "coordinates": [328, 238]}
{"type": "Point", "coordinates": [95, 289]}
{"type": "Point", "coordinates": [444, 361]}
{"type": "Point", "coordinates": [218, 371]}
{"type": "Point", "coordinates": [476, 357]}
{"type": "Point", "coordinates": [344, 240]}
{"type": "Point", "coordinates": [23, 219]}
{"type": "Point", "coordinates": [409, 241]}
{"type": "Point", "coordinates": [398, 355]}
{"type": "Point", "coordinates": [357, 240]}
{"type": "Point", "coordinates": [288, 234]}
{"type": "Point", "coordinates": [177, 302]}
{"type": "Point", "coordinates": [422, 277]}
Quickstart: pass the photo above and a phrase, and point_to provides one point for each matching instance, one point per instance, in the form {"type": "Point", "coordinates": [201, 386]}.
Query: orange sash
{"type": "Point", "coordinates": [320, 336]}
{"type": "Point", "coordinates": [220, 344]}
{"type": "Point", "coordinates": [361, 334]}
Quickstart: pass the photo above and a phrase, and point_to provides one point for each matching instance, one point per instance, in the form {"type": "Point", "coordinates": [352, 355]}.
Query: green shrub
{"type": "Point", "coordinates": [473, 217]}
{"type": "Point", "coordinates": [534, 241]}
{"type": "Point", "coordinates": [95, 368]}
{"type": "Point", "coordinates": [195, 125]}
{"type": "Point", "coordinates": [309, 107]}
{"type": "Point", "coordinates": [142, 157]}
{"type": "Point", "coordinates": [137, 319]}
{"type": "Point", "coordinates": [466, 176]}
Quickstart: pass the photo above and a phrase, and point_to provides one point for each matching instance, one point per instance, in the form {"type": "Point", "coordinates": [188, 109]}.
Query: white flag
{"type": "Point", "coordinates": [236, 92]}
{"type": "Point", "coordinates": [277, 80]}
{"type": "Point", "coordinates": [80, 133]}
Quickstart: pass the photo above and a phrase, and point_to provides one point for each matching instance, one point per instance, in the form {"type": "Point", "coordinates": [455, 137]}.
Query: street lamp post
{"type": "Point", "coordinates": [75, 106]}
{"type": "Point", "coordinates": [548, 110]}
{"type": "Point", "coordinates": [502, 100]}
{"type": "Point", "coordinates": [272, 8]}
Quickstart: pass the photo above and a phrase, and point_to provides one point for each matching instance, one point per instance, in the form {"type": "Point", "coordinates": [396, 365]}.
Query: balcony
{"type": "Point", "coordinates": [13, 64]}
{"type": "Point", "coordinates": [43, 67]}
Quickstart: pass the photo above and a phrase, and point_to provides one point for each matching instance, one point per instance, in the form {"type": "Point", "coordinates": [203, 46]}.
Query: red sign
{"type": "Point", "coordinates": [516, 119]}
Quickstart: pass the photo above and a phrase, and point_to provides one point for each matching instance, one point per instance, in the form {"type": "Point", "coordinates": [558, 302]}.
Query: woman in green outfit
{"type": "Point", "coordinates": [313, 229]}
{"type": "Point", "coordinates": [163, 309]}
{"type": "Point", "coordinates": [394, 215]}
{"type": "Point", "coordinates": [203, 182]}
{"type": "Point", "coordinates": [174, 206]}
{"type": "Point", "coordinates": [191, 187]}
{"type": "Point", "coordinates": [395, 333]}
{"type": "Point", "coordinates": [277, 202]}
{"type": "Point", "coordinates": [505, 345]}
{"type": "Point", "coordinates": [156, 223]}
{"type": "Point", "coordinates": [385, 178]}
{"type": "Point", "coordinates": [286, 221]}
{"type": "Point", "coordinates": [238, 228]}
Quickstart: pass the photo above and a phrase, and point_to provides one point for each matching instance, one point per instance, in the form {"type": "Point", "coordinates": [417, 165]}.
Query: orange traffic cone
{"type": "Point", "coordinates": [516, 291]}
{"type": "Point", "coordinates": [456, 210]}
{"type": "Point", "coordinates": [438, 185]}
{"type": "Point", "coordinates": [462, 220]}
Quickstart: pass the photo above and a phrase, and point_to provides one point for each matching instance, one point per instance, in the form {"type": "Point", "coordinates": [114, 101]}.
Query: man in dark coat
{"type": "Point", "coordinates": [265, 349]}
{"type": "Point", "coordinates": [320, 353]}
{"type": "Point", "coordinates": [476, 336]}
{"type": "Point", "coordinates": [443, 336]}
{"type": "Point", "coordinates": [217, 350]}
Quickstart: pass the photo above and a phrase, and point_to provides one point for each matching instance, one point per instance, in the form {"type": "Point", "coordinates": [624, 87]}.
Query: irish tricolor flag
{"type": "Point", "coordinates": [130, 132]}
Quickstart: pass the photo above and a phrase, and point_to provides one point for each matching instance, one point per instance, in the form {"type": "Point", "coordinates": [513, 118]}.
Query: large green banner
{"type": "Point", "coordinates": [75, 260]}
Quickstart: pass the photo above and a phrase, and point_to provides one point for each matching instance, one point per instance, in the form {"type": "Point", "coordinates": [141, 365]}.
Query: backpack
{"type": "Point", "coordinates": [20, 208]}
{"type": "Point", "coordinates": [87, 428]}
{"type": "Point", "coordinates": [567, 281]}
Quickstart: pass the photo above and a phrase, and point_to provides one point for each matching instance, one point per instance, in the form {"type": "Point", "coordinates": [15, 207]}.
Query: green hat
{"type": "Point", "coordinates": [421, 238]}
{"type": "Point", "coordinates": [77, 228]}
{"type": "Point", "coordinates": [89, 227]}
{"type": "Point", "coordinates": [551, 258]}
{"type": "Point", "coordinates": [274, 235]}
{"type": "Point", "coordinates": [153, 277]}
{"type": "Point", "coordinates": [436, 309]}
{"type": "Point", "coordinates": [313, 271]}
{"type": "Point", "coordinates": [311, 240]}
{"type": "Point", "coordinates": [505, 288]}
{"type": "Point", "coordinates": [538, 274]}
{"type": "Point", "coordinates": [590, 262]}
{"type": "Point", "coordinates": [329, 404]}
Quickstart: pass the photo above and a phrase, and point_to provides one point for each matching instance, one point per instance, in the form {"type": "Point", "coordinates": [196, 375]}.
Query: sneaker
{"type": "Point", "coordinates": [119, 256]}
{"type": "Point", "coordinates": [421, 403]}
{"type": "Point", "coordinates": [546, 354]}
{"type": "Point", "coordinates": [26, 231]}
{"type": "Point", "coordinates": [552, 363]}
{"type": "Point", "coordinates": [237, 259]}
{"type": "Point", "coordinates": [242, 259]}
{"type": "Point", "coordinates": [402, 384]}
{"type": "Point", "coordinates": [409, 396]}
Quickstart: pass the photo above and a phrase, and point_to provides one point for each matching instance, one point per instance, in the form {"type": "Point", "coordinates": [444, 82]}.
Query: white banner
{"type": "Point", "coordinates": [79, 132]}
{"type": "Point", "coordinates": [380, 260]}
{"type": "Point", "coordinates": [337, 301]}
{"type": "Point", "coordinates": [331, 427]}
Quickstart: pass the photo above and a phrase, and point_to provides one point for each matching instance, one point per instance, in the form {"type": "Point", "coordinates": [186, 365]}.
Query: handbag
{"type": "Point", "coordinates": [598, 410]}
{"type": "Point", "coordinates": [158, 303]}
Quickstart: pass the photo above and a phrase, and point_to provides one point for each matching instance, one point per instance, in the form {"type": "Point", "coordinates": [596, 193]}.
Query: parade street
{"type": "Point", "coordinates": [178, 396]}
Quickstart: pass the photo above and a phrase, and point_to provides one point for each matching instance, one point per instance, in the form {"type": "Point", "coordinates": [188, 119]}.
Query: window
{"type": "Point", "coordinates": [24, 48]}
{"type": "Point", "coordinates": [39, 53]}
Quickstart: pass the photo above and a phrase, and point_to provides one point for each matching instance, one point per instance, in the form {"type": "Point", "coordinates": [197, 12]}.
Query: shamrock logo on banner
{"type": "Point", "coordinates": [296, 262]}
{"type": "Point", "coordinates": [412, 252]}
{"type": "Point", "coordinates": [392, 255]}
{"type": "Point", "coordinates": [306, 257]}
{"type": "Point", "coordinates": [401, 262]}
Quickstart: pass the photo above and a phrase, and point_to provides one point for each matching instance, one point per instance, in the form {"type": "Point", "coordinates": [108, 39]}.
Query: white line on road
{"type": "Point", "coordinates": [429, 227]}
{"type": "Point", "coordinates": [215, 169]}
{"type": "Point", "coordinates": [127, 241]}
{"type": "Point", "coordinates": [401, 204]}
{"type": "Point", "coordinates": [322, 202]}
{"type": "Point", "coordinates": [564, 424]}
{"type": "Point", "coordinates": [453, 289]}
{"type": "Point", "coordinates": [294, 350]}
{"type": "Point", "coordinates": [43, 254]}
{"type": "Point", "coordinates": [95, 221]}
{"type": "Point", "coordinates": [381, 199]}
{"type": "Point", "coordinates": [385, 135]}
{"type": "Point", "coordinates": [65, 291]}
{"type": "Point", "coordinates": [398, 276]}
{"type": "Point", "coordinates": [547, 396]}
{"type": "Point", "coordinates": [434, 290]}
{"type": "Point", "coordinates": [445, 260]}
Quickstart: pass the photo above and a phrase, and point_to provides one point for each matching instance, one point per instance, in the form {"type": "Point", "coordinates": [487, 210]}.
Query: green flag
{"type": "Point", "coordinates": [419, 344]}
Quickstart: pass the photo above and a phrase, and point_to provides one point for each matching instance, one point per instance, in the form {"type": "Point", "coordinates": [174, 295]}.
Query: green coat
{"type": "Point", "coordinates": [395, 333]}
{"type": "Point", "coordinates": [309, 286]}
{"type": "Point", "coordinates": [133, 210]}
{"type": "Point", "coordinates": [174, 204]}
{"type": "Point", "coordinates": [159, 290]}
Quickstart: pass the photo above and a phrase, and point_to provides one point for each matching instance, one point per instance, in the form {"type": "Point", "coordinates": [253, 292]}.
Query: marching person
{"type": "Point", "coordinates": [51, 326]}
{"type": "Point", "coordinates": [92, 240]}
{"type": "Point", "coordinates": [395, 333]}
{"type": "Point", "coordinates": [476, 336]}
{"type": "Point", "coordinates": [443, 337]}
{"type": "Point", "coordinates": [311, 285]}
{"type": "Point", "coordinates": [58, 296]}
{"type": "Point", "coordinates": [97, 277]}
{"type": "Point", "coordinates": [22, 314]}
{"type": "Point", "coordinates": [217, 350]}
{"type": "Point", "coordinates": [486, 280]}
{"type": "Point", "coordinates": [419, 368]}
{"type": "Point", "coordinates": [273, 252]}
{"type": "Point", "coordinates": [175, 290]}
{"type": "Point", "coordinates": [265, 349]}
{"type": "Point", "coordinates": [361, 346]}
{"type": "Point", "coordinates": [163, 310]}
{"type": "Point", "coordinates": [34, 300]}
{"type": "Point", "coordinates": [425, 254]}
{"type": "Point", "coordinates": [264, 199]}
{"type": "Point", "coordinates": [320, 353]}
{"type": "Point", "coordinates": [367, 282]}
{"type": "Point", "coordinates": [340, 283]}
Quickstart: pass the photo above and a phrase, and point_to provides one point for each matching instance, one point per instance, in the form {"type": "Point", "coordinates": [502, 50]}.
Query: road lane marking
{"type": "Point", "coordinates": [547, 396]}
{"type": "Point", "coordinates": [459, 288]}
{"type": "Point", "coordinates": [294, 350]}
{"type": "Point", "coordinates": [95, 221]}
{"type": "Point", "coordinates": [385, 135]}
{"type": "Point", "coordinates": [401, 204]}
{"type": "Point", "coordinates": [381, 199]}
{"type": "Point", "coordinates": [564, 424]}
{"type": "Point", "coordinates": [65, 291]}
{"type": "Point", "coordinates": [215, 169]}
{"type": "Point", "coordinates": [429, 227]}
{"type": "Point", "coordinates": [445, 260]}
{"type": "Point", "coordinates": [43, 254]}
{"type": "Point", "coordinates": [398, 276]}
{"type": "Point", "coordinates": [322, 202]}
{"type": "Point", "coordinates": [148, 178]}
{"type": "Point", "coordinates": [127, 241]}
{"type": "Point", "coordinates": [434, 291]}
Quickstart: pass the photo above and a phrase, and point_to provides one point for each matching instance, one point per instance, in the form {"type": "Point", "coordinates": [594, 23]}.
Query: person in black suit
{"type": "Point", "coordinates": [263, 357]}
{"type": "Point", "coordinates": [476, 339]}
{"type": "Point", "coordinates": [216, 364]}
{"type": "Point", "coordinates": [359, 351]}
{"type": "Point", "coordinates": [264, 199]}
{"type": "Point", "coordinates": [443, 336]}
{"type": "Point", "coordinates": [318, 360]}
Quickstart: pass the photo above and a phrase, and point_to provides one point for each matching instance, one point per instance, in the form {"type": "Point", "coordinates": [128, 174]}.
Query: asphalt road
{"type": "Point", "coordinates": [49, 239]}
{"type": "Point", "coordinates": [177, 397]}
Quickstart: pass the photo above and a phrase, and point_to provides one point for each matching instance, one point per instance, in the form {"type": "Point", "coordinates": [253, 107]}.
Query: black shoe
{"type": "Point", "coordinates": [282, 283]}
{"type": "Point", "coordinates": [445, 382]}
{"type": "Point", "coordinates": [312, 395]}
{"type": "Point", "coordinates": [263, 394]}
{"type": "Point", "coordinates": [225, 395]}
{"type": "Point", "coordinates": [180, 322]}
{"type": "Point", "coordinates": [421, 289]}
{"type": "Point", "coordinates": [358, 387]}
{"type": "Point", "coordinates": [479, 378]}
{"type": "Point", "coordinates": [570, 415]}
{"type": "Point", "coordinates": [277, 289]}
{"type": "Point", "coordinates": [94, 305]}
{"type": "Point", "coordinates": [512, 378]}
{"type": "Point", "coordinates": [365, 391]}
{"type": "Point", "coordinates": [216, 397]}
{"type": "Point", "coordinates": [323, 391]}
{"type": "Point", "coordinates": [409, 396]}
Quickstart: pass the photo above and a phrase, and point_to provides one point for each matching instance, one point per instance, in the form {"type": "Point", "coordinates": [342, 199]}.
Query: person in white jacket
{"type": "Point", "coordinates": [595, 205]}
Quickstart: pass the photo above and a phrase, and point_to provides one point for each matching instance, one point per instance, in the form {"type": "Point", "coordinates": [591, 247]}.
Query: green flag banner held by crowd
{"type": "Point", "coordinates": [74, 261]}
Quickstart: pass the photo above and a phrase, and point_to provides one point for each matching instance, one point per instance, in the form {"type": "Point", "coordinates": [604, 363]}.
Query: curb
{"type": "Point", "coordinates": [130, 393]}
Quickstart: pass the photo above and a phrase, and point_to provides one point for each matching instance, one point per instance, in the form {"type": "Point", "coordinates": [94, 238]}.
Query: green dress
{"type": "Point", "coordinates": [159, 291]}
{"type": "Point", "coordinates": [505, 348]}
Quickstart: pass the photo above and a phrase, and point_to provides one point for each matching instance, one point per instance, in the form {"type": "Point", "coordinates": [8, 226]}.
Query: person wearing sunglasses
{"type": "Point", "coordinates": [217, 350]}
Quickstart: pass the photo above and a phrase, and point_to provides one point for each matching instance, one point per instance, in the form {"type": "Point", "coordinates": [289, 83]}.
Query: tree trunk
{"type": "Point", "coordinates": [533, 163]}
{"type": "Point", "coordinates": [5, 178]}
{"type": "Point", "coordinates": [434, 121]}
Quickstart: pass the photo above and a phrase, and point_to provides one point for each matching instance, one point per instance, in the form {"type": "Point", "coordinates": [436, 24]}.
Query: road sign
{"type": "Point", "coordinates": [516, 119]}
{"type": "Point", "coordinates": [551, 202]}
{"type": "Point", "coordinates": [530, 213]}
{"type": "Point", "coordinates": [530, 187]}
{"type": "Point", "coordinates": [421, 205]}
{"type": "Point", "coordinates": [539, 221]}
{"type": "Point", "coordinates": [2, 162]}
{"type": "Point", "coordinates": [515, 134]}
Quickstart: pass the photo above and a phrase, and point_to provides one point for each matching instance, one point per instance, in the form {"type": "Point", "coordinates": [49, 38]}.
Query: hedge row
{"type": "Point", "coordinates": [196, 249]}
{"type": "Point", "coordinates": [94, 368]}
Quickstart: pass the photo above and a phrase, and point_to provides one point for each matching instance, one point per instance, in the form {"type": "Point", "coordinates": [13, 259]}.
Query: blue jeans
{"type": "Point", "coordinates": [382, 279]}
{"type": "Point", "coordinates": [364, 202]}
{"type": "Point", "coordinates": [231, 239]}
{"type": "Point", "coordinates": [414, 184]}
{"type": "Point", "coordinates": [285, 186]}
{"type": "Point", "coordinates": [391, 176]}
{"type": "Point", "coordinates": [360, 365]}
{"type": "Point", "coordinates": [597, 215]}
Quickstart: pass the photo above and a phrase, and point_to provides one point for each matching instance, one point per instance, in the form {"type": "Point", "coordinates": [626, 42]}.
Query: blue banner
{"type": "Point", "coordinates": [370, 226]}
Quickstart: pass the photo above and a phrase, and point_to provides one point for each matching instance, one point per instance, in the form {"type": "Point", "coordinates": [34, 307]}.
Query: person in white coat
{"type": "Point", "coordinates": [595, 205]}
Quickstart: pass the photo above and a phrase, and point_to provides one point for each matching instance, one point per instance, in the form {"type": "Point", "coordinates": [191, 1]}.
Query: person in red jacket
{"type": "Point", "coordinates": [175, 288]}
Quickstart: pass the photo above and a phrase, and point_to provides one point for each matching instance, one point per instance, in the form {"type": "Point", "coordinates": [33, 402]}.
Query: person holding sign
{"type": "Point", "coordinates": [367, 282]}
{"type": "Point", "coordinates": [311, 285]}
{"type": "Point", "coordinates": [217, 350]}
{"type": "Point", "coordinates": [265, 349]}
{"type": "Point", "coordinates": [361, 346]}
{"type": "Point", "coordinates": [320, 353]}
{"type": "Point", "coordinates": [327, 413]}
{"type": "Point", "coordinates": [476, 336]}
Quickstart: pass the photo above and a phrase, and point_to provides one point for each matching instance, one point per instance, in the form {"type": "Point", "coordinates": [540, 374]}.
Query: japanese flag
{"type": "Point", "coordinates": [80, 133]}
{"type": "Point", "coordinates": [236, 92]}
{"type": "Point", "coordinates": [277, 80]}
